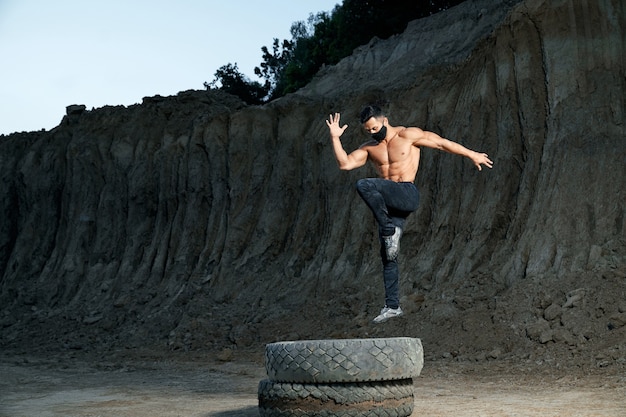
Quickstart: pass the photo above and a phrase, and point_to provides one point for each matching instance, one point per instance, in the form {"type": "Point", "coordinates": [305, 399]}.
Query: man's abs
{"type": "Point", "coordinates": [404, 171]}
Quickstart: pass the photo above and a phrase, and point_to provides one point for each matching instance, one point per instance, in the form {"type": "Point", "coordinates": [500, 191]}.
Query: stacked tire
{"type": "Point", "coordinates": [340, 378]}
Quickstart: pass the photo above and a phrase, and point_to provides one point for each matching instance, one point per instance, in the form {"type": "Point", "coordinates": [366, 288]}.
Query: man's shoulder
{"type": "Point", "coordinates": [410, 132]}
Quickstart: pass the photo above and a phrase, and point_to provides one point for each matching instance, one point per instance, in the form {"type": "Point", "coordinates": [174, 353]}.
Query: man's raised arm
{"type": "Point", "coordinates": [345, 161]}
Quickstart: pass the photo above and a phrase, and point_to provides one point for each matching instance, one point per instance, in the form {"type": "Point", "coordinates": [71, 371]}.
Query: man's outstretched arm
{"type": "Point", "coordinates": [433, 140]}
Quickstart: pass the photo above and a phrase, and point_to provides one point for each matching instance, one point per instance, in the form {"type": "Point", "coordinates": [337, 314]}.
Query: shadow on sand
{"type": "Point", "coordinates": [242, 412]}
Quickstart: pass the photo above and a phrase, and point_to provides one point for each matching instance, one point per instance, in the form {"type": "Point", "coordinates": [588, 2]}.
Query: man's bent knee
{"type": "Point", "coordinates": [364, 185]}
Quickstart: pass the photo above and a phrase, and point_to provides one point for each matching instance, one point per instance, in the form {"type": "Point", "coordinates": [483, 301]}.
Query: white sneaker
{"type": "Point", "coordinates": [392, 244]}
{"type": "Point", "coordinates": [386, 313]}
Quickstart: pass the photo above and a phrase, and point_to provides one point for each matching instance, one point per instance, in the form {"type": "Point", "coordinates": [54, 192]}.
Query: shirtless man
{"type": "Point", "coordinates": [395, 152]}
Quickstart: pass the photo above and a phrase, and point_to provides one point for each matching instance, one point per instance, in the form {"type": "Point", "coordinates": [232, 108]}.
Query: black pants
{"type": "Point", "coordinates": [391, 203]}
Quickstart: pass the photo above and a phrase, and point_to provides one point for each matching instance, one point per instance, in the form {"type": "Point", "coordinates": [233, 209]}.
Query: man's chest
{"type": "Point", "coordinates": [387, 154]}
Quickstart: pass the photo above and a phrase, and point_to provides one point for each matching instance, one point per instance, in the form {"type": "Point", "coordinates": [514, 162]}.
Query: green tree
{"type": "Point", "coordinates": [229, 79]}
{"type": "Point", "coordinates": [274, 63]}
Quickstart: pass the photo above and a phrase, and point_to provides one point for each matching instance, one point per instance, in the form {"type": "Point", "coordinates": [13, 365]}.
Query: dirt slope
{"type": "Point", "coordinates": [195, 222]}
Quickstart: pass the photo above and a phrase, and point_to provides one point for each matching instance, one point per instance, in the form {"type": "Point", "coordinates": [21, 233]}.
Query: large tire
{"type": "Point", "coordinates": [358, 399]}
{"type": "Point", "coordinates": [344, 360]}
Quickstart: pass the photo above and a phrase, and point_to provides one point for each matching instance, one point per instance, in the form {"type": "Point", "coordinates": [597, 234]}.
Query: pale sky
{"type": "Point", "coordinates": [115, 52]}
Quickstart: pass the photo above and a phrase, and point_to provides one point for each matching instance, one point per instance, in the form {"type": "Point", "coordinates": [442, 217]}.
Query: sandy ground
{"type": "Point", "coordinates": [74, 386]}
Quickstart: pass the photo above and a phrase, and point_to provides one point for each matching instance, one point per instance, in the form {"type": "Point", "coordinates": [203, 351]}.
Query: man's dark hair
{"type": "Point", "coordinates": [369, 112]}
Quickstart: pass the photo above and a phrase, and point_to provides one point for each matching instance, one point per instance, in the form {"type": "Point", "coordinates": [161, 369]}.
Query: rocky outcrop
{"type": "Point", "coordinates": [196, 222]}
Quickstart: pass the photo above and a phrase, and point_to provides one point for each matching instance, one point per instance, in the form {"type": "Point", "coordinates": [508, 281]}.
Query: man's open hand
{"type": "Point", "coordinates": [481, 159]}
{"type": "Point", "coordinates": [333, 125]}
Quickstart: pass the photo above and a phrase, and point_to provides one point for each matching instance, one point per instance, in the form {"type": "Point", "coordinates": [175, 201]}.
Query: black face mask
{"type": "Point", "coordinates": [380, 135]}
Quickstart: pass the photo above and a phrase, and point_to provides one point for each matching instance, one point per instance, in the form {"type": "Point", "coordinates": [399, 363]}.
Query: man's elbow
{"type": "Point", "coordinates": [344, 165]}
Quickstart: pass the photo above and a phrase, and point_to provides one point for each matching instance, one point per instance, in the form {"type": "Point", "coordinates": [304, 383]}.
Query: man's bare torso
{"type": "Point", "coordinates": [396, 158]}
